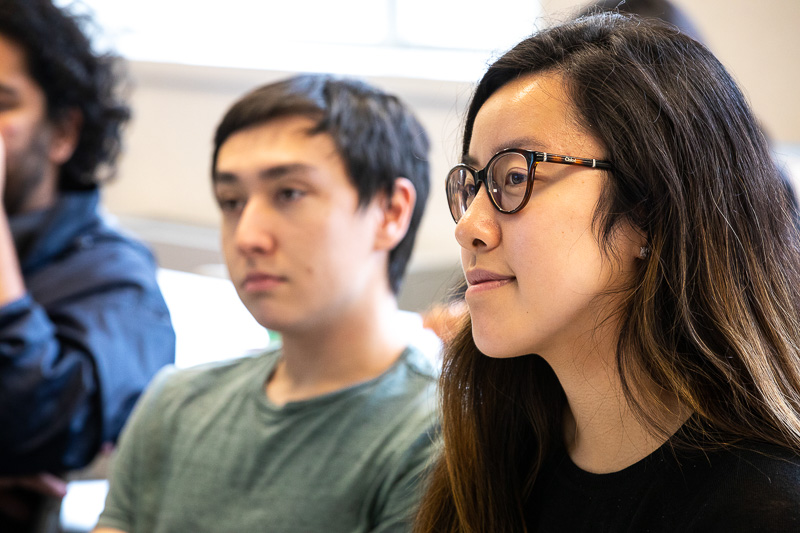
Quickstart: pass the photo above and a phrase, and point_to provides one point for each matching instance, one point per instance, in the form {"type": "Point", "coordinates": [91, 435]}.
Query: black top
{"type": "Point", "coordinates": [753, 487]}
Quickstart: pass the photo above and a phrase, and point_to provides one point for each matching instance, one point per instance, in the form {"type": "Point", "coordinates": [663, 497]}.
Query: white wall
{"type": "Point", "coordinates": [164, 172]}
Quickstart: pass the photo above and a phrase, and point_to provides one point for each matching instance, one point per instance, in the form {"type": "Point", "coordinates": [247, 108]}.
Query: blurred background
{"type": "Point", "coordinates": [190, 59]}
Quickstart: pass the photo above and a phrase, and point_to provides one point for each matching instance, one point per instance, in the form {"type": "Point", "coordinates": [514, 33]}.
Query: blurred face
{"type": "Point", "coordinates": [25, 131]}
{"type": "Point", "coordinates": [537, 278]}
{"type": "Point", "coordinates": [299, 250]}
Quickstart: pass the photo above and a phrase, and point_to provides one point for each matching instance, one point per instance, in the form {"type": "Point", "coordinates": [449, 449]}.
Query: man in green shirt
{"type": "Point", "coordinates": [321, 183]}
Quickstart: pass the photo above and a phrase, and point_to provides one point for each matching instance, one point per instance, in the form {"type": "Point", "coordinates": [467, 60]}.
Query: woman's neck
{"type": "Point", "coordinates": [609, 437]}
{"type": "Point", "coordinates": [602, 432]}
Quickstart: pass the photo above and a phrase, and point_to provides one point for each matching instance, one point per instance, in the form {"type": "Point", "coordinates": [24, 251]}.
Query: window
{"type": "Point", "coordinates": [435, 39]}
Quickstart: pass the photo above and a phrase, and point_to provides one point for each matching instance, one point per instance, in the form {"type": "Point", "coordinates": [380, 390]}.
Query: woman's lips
{"type": "Point", "coordinates": [485, 280]}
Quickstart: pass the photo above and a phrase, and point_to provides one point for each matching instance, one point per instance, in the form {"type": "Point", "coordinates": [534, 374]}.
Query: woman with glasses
{"type": "Point", "coordinates": [632, 358]}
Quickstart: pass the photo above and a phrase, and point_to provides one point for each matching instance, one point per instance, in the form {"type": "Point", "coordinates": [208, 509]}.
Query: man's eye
{"type": "Point", "coordinates": [290, 195]}
{"type": "Point", "coordinates": [7, 104]}
{"type": "Point", "coordinates": [230, 205]}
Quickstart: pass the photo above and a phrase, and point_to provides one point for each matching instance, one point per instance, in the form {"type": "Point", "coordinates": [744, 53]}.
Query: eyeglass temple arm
{"type": "Point", "coordinates": [544, 157]}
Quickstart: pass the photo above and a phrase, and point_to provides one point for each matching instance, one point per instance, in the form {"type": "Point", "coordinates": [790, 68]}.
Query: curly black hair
{"type": "Point", "coordinates": [72, 76]}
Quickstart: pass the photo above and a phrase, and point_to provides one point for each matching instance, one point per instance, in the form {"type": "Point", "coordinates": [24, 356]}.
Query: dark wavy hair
{"type": "Point", "coordinates": [72, 76]}
{"type": "Point", "coordinates": [713, 314]}
{"type": "Point", "coordinates": [377, 136]}
{"type": "Point", "coordinates": [672, 14]}
{"type": "Point", "coordinates": [656, 9]}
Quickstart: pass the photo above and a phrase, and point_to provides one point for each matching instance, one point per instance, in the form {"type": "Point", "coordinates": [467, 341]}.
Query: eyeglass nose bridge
{"type": "Point", "coordinates": [482, 176]}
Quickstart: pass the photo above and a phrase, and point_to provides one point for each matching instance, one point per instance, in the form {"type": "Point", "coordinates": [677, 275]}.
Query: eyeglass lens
{"type": "Point", "coordinates": [507, 184]}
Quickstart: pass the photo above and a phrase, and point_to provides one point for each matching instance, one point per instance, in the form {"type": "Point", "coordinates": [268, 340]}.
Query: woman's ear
{"type": "Point", "coordinates": [66, 134]}
{"type": "Point", "coordinates": [397, 211]}
{"type": "Point", "coordinates": [631, 241]}
{"type": "Point", "coordinates": [640, 245]}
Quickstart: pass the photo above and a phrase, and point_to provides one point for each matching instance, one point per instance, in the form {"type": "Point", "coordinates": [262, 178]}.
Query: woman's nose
{"type": "Point", "coordinates": [478, 229]}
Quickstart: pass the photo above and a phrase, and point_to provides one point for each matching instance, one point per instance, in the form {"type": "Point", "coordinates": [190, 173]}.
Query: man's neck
{"type": "Point", "coordinates": [344, 352]}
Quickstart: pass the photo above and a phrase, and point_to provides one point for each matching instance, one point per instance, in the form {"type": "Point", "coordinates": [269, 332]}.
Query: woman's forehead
{"type": "Point", "coordinates": [534, 112]}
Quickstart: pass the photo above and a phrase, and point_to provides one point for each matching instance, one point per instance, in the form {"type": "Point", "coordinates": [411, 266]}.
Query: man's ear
{"type": "Point", "coordinates": [66, 133]}
{"type": "Point", "coordinates": [397, 211]}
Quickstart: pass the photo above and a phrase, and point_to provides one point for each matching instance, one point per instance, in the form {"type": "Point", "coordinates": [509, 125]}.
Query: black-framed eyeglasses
{"type": "Point", "coordinates": [508, 178]}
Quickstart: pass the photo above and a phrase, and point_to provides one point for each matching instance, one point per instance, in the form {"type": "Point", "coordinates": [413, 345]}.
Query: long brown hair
{"type": "Point", "coordinates": [712, 316]}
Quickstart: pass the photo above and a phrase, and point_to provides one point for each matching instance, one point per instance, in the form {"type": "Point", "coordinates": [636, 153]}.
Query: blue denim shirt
{"type": "Point", "coordinates": [78, 349]}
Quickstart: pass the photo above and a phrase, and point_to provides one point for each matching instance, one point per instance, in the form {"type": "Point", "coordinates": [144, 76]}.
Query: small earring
{"type": "Point", "coordinates": [644, 252]}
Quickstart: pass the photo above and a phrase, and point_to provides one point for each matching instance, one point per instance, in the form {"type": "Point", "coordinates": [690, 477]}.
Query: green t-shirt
{"type": "Point", "coordinates": [205, 450]}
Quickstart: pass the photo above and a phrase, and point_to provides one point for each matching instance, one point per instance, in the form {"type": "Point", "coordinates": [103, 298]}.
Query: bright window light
{"type": "Point", "coordinates": [435, 39]}
{"type": "Point", "coordinates": [465, 24]}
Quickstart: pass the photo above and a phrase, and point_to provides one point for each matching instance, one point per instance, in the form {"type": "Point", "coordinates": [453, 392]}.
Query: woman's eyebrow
{"type": "Point", "coordinates": [526, 143]}
{"type": "Point", "coordinates": [469, 160]}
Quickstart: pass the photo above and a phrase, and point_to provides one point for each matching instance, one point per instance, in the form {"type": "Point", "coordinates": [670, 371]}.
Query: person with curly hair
{"type": "Point", "coordinates": [83, 324]}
